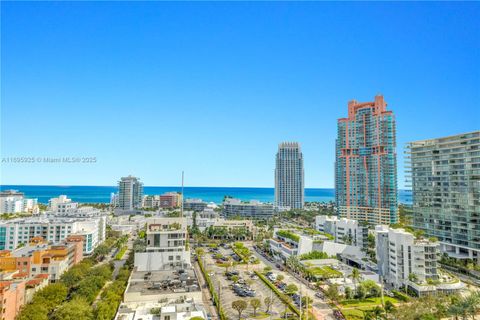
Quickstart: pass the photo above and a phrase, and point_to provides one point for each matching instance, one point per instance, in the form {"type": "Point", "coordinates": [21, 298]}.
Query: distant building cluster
{"type": "Point", "coordinates": [65, 219]}
{"type": "Point", "coordinates": [164, 201]}
{"type": "Point", "coordinates": [13, 201]}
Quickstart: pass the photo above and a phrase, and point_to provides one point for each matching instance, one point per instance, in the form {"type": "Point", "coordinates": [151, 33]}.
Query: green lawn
{"type": "Point", "coordinates": [261, 315]}
{"type": "Point", "coordinates": [325, 272]}
{"type": "Point", "coordinates": [354, 314]}
{"type": "Point", "coordinates": [367, 302]}
{"type": "Point", "coordinates": [353, 309]}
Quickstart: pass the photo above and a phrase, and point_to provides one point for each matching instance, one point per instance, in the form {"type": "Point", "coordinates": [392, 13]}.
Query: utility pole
{"type": "Point", "coordinates": [381, 291]}
{"type": "Point", "coordinates": [301, 311]}
{"type": "Point", "coordinates": [271, 301]}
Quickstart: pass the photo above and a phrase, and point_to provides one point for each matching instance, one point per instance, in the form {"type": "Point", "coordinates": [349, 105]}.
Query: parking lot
{"type": "Point", "coordinates": [246, 281]}
{"type": "Point", "coordinates": [321, 309]}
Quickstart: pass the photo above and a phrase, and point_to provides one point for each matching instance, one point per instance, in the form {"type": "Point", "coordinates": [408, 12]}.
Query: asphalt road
{"type": "Point", "coordinates": [320, 307]}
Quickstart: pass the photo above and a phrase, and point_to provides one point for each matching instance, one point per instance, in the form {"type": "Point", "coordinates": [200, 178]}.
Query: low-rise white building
{"type": "Point", "coordinates": [62, 204]}
{"type": "Point", "coordinates": [345, 231]}
{"type": "Point", "coordinates": [166, 245]}
{"type": "Point", "coordinates": [286, 243]}
{"type": "Point", "coordinates": [202, 219]}
{"type": "Point", "coordinates": [194, 204]}
{"type": "Point", "coordinates": [252, 209]}
{"type": "Point", "coordinates": [13, 201]}
{"type": "Point", "coordinates": [162, 311]}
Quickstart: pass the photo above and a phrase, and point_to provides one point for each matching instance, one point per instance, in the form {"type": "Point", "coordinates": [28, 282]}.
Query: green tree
{"type": "Point", "coordinates": [268, 303]}
{"type": "Point", "coordinates": [361, 292]}
{"type": "Point", "coordinates": [291, 289]}
{"type": "Point", "coordinates": [389, 308]}
{"type": "Point", "coordinates": [239, 306]}
{"type": "Point", "coordinates": [33, 311]}
{"type": "Point", "coordinates": [280, 277]}
{"type": "Point", "coordinates": [51, 296]}
{"type": "Point", "coordinates": [371, 288]}
{"type": "Point", "coordinates": [88, 288]}
{"type": "Point", "coordinates": [332, 292]}
{"type": "Point", "coordinates": [235, 279]}
{"type": "Point", "coordinates": [412, 277]}
{"type": "Point", "coordinates": [377, 313]}
{"type": "Point", "coordinates": [255, 303]}
{"type": "Point", "coordinates": [75, 309]}
{"type": "Point", "coordinates": [267, 269]}
{"type": "Point", "coordinates": [355, 275]}
{"type": "Point", "coordinates": [105, 310]}
{"type": "Point", "coordinates": [348, 293]}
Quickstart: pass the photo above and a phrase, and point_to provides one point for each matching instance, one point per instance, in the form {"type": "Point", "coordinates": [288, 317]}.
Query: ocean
{"type": "Point", "coordinates": [101, 194]}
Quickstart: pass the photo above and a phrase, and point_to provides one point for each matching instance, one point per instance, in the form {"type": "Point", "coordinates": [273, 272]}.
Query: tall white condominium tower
{"type": "Point", "coordinates": [130, 193]}
{"type": "Point", "coordinates": [289, 182]}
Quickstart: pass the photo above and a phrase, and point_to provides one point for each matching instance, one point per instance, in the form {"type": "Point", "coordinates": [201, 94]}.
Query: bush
{"type": "Point", "coordinates": [400, 296]}
{"type": "Point", "coordinates": [120, 253]}
{"type": "Point", "coordinates": [314, 255]}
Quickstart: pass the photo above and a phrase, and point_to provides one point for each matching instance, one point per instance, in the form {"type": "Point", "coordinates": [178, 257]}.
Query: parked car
{"type": "Point", "coordinates": [272, 277]}
{"type": "Point", "coordinates": [319, 295]}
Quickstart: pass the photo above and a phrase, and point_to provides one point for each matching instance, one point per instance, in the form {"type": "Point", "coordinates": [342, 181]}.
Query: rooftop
{"type": "Point", "coordinates": [163, 282]}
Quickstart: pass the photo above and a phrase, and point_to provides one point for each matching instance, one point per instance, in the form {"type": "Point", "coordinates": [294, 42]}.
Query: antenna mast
{"type": "Point", "coordinates": [181, 210]}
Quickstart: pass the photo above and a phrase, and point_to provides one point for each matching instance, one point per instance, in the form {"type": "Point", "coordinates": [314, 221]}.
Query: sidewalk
{"type": "Point", "coordinates": [206, 296]}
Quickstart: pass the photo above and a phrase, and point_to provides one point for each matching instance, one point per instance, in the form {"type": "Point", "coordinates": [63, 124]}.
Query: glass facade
{"type": "Point", "coordinates": [366, 162]}
{"type": "Point", "coordinates": [445, 181]}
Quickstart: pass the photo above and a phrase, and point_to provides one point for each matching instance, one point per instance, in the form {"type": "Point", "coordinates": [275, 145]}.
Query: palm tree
{"type": "Point", "coordinates": [389, 308]}
{"type": "Point", "coordinates": [355, 275]}
{"type": "Point", "coordinates": [472, 304]}
{"type": "Point", "coordinates": [455, 310]}
{"type": "Point", "coordinates": [293, 263]}
{"type": "Point", "coordinates": [377, 312]}
{"type": "Point", "coordinates": [367, 315]}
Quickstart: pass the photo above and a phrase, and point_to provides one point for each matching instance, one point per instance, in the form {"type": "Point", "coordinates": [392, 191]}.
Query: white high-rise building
{"type": "Point", "coordinates": [130, 193]}
{"type": "Point", "coordinates": [289, 180]}
{"type": "Point", "coordinates": [445, 181]}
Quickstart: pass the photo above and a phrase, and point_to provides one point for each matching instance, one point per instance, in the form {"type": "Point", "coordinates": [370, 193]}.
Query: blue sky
{"type": "Point", "coordinates": [153, 88]}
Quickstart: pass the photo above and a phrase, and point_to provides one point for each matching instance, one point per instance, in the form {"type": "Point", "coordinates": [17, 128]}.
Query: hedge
{"type": "Point", "coordinates": [120, 253]}
{"type": "Point", "coordinates": [214, 294]}
{"type": "Point", "coordinates": [400, 296]}
{"type": "Point", "coordinates": [282, 296]}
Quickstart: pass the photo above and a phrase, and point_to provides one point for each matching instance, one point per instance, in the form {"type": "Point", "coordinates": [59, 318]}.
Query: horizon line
{"type": "Point", "coordinates": [115, 186]}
